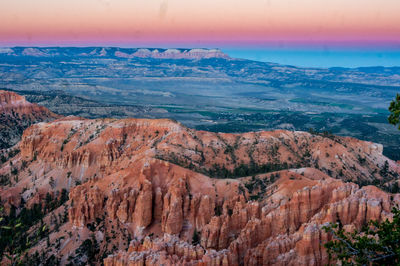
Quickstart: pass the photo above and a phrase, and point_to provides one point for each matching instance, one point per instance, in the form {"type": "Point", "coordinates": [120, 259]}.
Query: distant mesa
{"type": "Point", "coordinates": [4, 50]}
{"type": "Point", "coordinates": [175, 54]}
{"type": "Point", "coordinates": [33, 52]}
{"type": "Point", "coordinates": [103, 52]}
{"type": "Point", "coordinates": [157, 53]}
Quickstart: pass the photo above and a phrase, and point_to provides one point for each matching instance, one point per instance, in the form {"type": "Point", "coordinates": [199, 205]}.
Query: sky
{"type": "Point", "coordinates": [200, 22]}
{"type": "Point", "coordinates": [249, 25]}
{"type": "Point", "coordinates": [319, 57]}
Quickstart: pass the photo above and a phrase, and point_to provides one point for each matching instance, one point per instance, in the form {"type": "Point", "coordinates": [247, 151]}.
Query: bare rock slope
{"type": "Point", "coordinates": [145, 192]}
{"type": "Point", "coordinates": [16, 114]}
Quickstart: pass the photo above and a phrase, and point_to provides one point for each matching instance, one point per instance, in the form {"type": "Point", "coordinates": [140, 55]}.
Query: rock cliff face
{"type": "Point", "coordinates": [98, 144]}
{"type": "Point", "coordinates": [16, 114]}
{"type": "Point", "coordinates": [154, 191]}
{"type": "Point", "coordinates": [283, 230]}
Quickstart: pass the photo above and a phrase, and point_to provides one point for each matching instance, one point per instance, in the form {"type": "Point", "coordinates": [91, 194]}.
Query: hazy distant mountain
{"type": "Point", "coordinates": [196, 53]}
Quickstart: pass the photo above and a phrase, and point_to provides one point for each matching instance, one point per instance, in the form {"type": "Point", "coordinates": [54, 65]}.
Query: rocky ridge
{"type": "Point", "coordinates": [175, 54]}
{"type": "Point", "coordinates": [16, 114]}
{"type": "Point", "coordinates": [65, 104]}
{"type": "Point", "coordinates": [152, 191]}
{"type": "Point", "coordinates": [158, 53]}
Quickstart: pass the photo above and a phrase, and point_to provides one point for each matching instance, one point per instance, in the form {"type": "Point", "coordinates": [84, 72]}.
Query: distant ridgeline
{"type": "Point", "coordinates": [196, 53]}
{"type": "Point", "coordinates": [205, 89]}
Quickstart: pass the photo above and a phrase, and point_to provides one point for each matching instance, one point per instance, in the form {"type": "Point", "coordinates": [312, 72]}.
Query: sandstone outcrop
{"type": "Point", "coordinates": [183, 197]}
{"type": "Point", "coordinates": [16, 114]}
{"type": "Point", "coordinates": [286, 229]}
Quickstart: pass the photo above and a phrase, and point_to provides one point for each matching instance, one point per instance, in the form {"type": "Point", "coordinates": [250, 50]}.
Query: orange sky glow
{"type": "Point", "coordinates": [26, 22]}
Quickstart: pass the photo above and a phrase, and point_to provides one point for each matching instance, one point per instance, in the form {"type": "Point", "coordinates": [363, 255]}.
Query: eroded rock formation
{"type": "Point", "coordinates": [16, 114]}
{"type": "Point", "coordinates": [154, 191]}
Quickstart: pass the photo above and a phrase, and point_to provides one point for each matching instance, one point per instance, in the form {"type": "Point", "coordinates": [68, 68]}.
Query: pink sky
{"type": "Point", "coordinates": [205, 22]}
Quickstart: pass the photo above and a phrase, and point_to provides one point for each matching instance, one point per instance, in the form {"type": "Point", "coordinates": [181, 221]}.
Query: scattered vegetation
{"type": "Point", "coordinates": [8, 154]}
{"type": "Point", "coordinates": [377, 243]}
{"type": "Point", "coordinates": [258, 187]}
{"type": "Point", "coordinates": [388, 182]}
{"type": "Point", "coordinates": [325, 134]}
{"type": "Point", "coordinates": [195, 238]}
{"type": "Point", "coordinates": [5, 180]}
{"type": "Point", "coordinates": [394, 110]}
{"type": "Point", "coordinates": [65, 142]}
{"type": "Point", "coordinates": [86, 253]}
{"type": "Point", "coordinates": [246, 170]}
{"type": "Point", "coordinates": [220, 171]}
{"type": "Point", "coordinates": [15, 237]}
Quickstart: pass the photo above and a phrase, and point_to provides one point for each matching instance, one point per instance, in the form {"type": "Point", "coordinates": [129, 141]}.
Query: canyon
{"type": "Point", "coordinates": [153, 191]}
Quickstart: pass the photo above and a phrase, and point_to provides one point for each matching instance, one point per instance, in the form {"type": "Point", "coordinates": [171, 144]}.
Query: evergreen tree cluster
{"type": "Point", "coordinates": [14, 226]}
{"type": "Point", "coordinates": [377, 243]}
